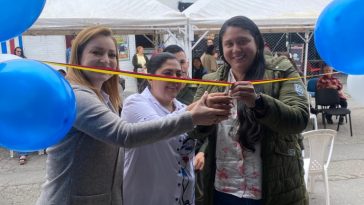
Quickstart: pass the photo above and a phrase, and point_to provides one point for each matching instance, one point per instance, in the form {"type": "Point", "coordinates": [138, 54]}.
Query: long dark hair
{"type": "Point", "coordinates": [199, 59]}
{"type": "Point", "coordinates": [157, 61]}
{"type": "Point", "coordinates": [249, 129]}
{"type": "Point", "coordinates": [21, 52]}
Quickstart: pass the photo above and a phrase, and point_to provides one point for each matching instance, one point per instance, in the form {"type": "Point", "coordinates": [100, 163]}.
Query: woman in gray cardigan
{"type": "Point", "coordinates": [86, 167]}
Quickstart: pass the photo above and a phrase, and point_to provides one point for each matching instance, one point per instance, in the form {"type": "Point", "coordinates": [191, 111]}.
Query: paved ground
{"type": "Point", "coordinates": [20, 185]}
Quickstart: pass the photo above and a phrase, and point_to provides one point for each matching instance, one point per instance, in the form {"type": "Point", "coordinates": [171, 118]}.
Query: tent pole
{"type": "Point", "coordinates": [188, 38]}
{"type": "Point", "coordinates": [306, 39]}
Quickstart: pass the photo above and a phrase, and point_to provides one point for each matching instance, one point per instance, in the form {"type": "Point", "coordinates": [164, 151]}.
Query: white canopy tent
{"type": "Point", "coordinates": [62, 17]}
{"type": "Point", "coordinates": [269, 15]}
{"type": "Point", "coordinates": [68, 17]}
{"type": "Point", "coordinates": [272, 16]}
{"type": "Point", "coordinates": [150, 16]}
{"type": "Point", "coordinates": [123, 16]}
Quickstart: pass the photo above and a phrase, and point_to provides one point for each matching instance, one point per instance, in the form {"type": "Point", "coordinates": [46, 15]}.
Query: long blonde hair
{"type": "Point", "coordinates": [76, 76]}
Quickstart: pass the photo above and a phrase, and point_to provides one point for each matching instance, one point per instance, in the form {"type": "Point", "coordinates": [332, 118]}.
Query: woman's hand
{"type": "Point", "coordinates": [219, 101]}
{"type": "Point", "coordinates": [204, 115]}
{"type": "Point", "coordinates": [199, 161]}
{"type": "Point", "coordinates": [244, 91]}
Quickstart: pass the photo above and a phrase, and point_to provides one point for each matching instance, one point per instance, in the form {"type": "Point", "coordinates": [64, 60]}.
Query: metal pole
{"type": "Point", "coordinates": [188, 37]}
{"type": "Point", "coordinates": [307, 39]}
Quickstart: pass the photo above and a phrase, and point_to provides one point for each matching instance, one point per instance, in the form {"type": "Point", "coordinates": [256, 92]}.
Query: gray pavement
{"type": "Point", "coordinates": [20, 185]}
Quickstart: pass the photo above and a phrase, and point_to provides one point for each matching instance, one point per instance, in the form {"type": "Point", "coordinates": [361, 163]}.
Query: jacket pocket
{"type": "Point", "coordinates": [91, 199]}
{"type": "Point", "coordinates": [290, 156]}
{"type": "Point", "coordinates": [288, 148]}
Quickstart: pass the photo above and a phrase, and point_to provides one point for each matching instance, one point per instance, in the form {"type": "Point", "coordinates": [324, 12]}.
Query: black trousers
{"type": "Point", "coordinates": [221, 198]}
{"type": "Point", "coordinates": [343, 103]}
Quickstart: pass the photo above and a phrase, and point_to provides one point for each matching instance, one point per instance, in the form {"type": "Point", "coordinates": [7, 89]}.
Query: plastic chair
{"type": "Point", "coordinates": [321, 143]}
{"type": "Point", "coordinates": [314, 121]}
{"type": "Point", "coordinates": [326, 97]}
{"type": "Point", "coordinates": [313, 117]}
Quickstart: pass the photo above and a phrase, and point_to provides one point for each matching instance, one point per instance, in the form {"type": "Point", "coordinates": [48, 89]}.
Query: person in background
{"type": "Point", "coordinates": [329, 81]}
{"type": "Point", "coordinates": [267, 49]}
{"type": "Point", "coordinates": [86, 167]}
{"type": "Point", "coordinates": [197, 69]}
{"type": "Point", "coordinates": [68, 52]}
{"type": "Point", "coordinates": [157, 50]}
{"type": "Point", "coordinates": [62, 72]}
{"type": "Point", "coordinates": [208, 59]}
{"type": "Point", "coordinates": [254, 157]}
{"type": "Point", "coordinates": [185, 96]}
{"type": "Point", "coordinates": [139, 61]}
{"type": "Point", "coordinates": [18, 51]}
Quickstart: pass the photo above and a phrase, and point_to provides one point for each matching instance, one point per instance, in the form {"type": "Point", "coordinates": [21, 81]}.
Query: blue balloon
{"type": "Point", "coordinates": [17, 16]}
{"type": "Point", "coordinates": [339, 35]}
{"type": "Point", "coordinates": [37, 105]}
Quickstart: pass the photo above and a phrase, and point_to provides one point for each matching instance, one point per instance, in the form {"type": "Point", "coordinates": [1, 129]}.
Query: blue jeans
{"type": "Point", "coordinates": [221, 198]}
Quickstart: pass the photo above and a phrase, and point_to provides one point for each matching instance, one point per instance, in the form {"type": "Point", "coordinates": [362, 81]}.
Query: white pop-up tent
{"type": "Point", "coordinates": [62, 17]}
{"type": "Point", "coordinates": [68, 17]}
{"type": "Point", "coordinates": [271, 16]}
{"type": "Point", "coordinates": [123, 16]}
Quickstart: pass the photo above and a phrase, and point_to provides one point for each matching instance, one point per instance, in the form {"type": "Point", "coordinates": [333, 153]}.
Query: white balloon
{"type": "Point", "coordinates": [355, 87]}
{"type": "Point", "coordinates": [6, 57]}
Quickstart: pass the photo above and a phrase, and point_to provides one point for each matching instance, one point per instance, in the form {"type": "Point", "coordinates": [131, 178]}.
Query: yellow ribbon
{"type": "Point", "coordinates": [170, 79]}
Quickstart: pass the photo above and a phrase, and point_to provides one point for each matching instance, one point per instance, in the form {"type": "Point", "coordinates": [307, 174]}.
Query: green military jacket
{"type": "Point", "coordinates": [185, 96]}
{"type": "Point", "coordinates": [286, 116]}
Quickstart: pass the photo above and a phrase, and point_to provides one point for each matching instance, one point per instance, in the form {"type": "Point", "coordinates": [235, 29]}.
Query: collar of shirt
{"type": "Point", "coordinates": [148, 95]}
{"type": "Point", "coordinates": [231, 77]}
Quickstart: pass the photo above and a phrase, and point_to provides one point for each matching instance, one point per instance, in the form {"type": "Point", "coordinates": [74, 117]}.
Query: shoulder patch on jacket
{"type": "Point", "coordinates": [300, 90]}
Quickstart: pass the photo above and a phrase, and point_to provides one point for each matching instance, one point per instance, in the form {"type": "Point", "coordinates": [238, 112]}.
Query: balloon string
{"type": "Point", "coordinates": [170, 78]}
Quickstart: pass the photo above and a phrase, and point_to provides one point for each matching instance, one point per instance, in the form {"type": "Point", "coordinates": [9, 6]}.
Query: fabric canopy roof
{"type": "Point", "coordinates": [269, 15]}
{"type": "Point", "coordinates": [146, 16]}
{"type": "Point", "coordinates": [123, 16]}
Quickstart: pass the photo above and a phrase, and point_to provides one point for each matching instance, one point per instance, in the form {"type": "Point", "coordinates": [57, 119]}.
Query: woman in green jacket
{"type": "Point", "coordinates": [254, 156]}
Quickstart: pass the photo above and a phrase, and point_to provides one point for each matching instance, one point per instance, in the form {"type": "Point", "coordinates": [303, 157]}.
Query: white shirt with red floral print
{"type": "Point", "coordinates": [238, 172]}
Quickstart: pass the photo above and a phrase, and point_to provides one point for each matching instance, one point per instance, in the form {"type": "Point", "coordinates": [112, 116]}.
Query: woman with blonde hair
{"type": "Point", "coordinates": [86, 167]}
{"type": "Point", "coordinates": [140, 61]}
